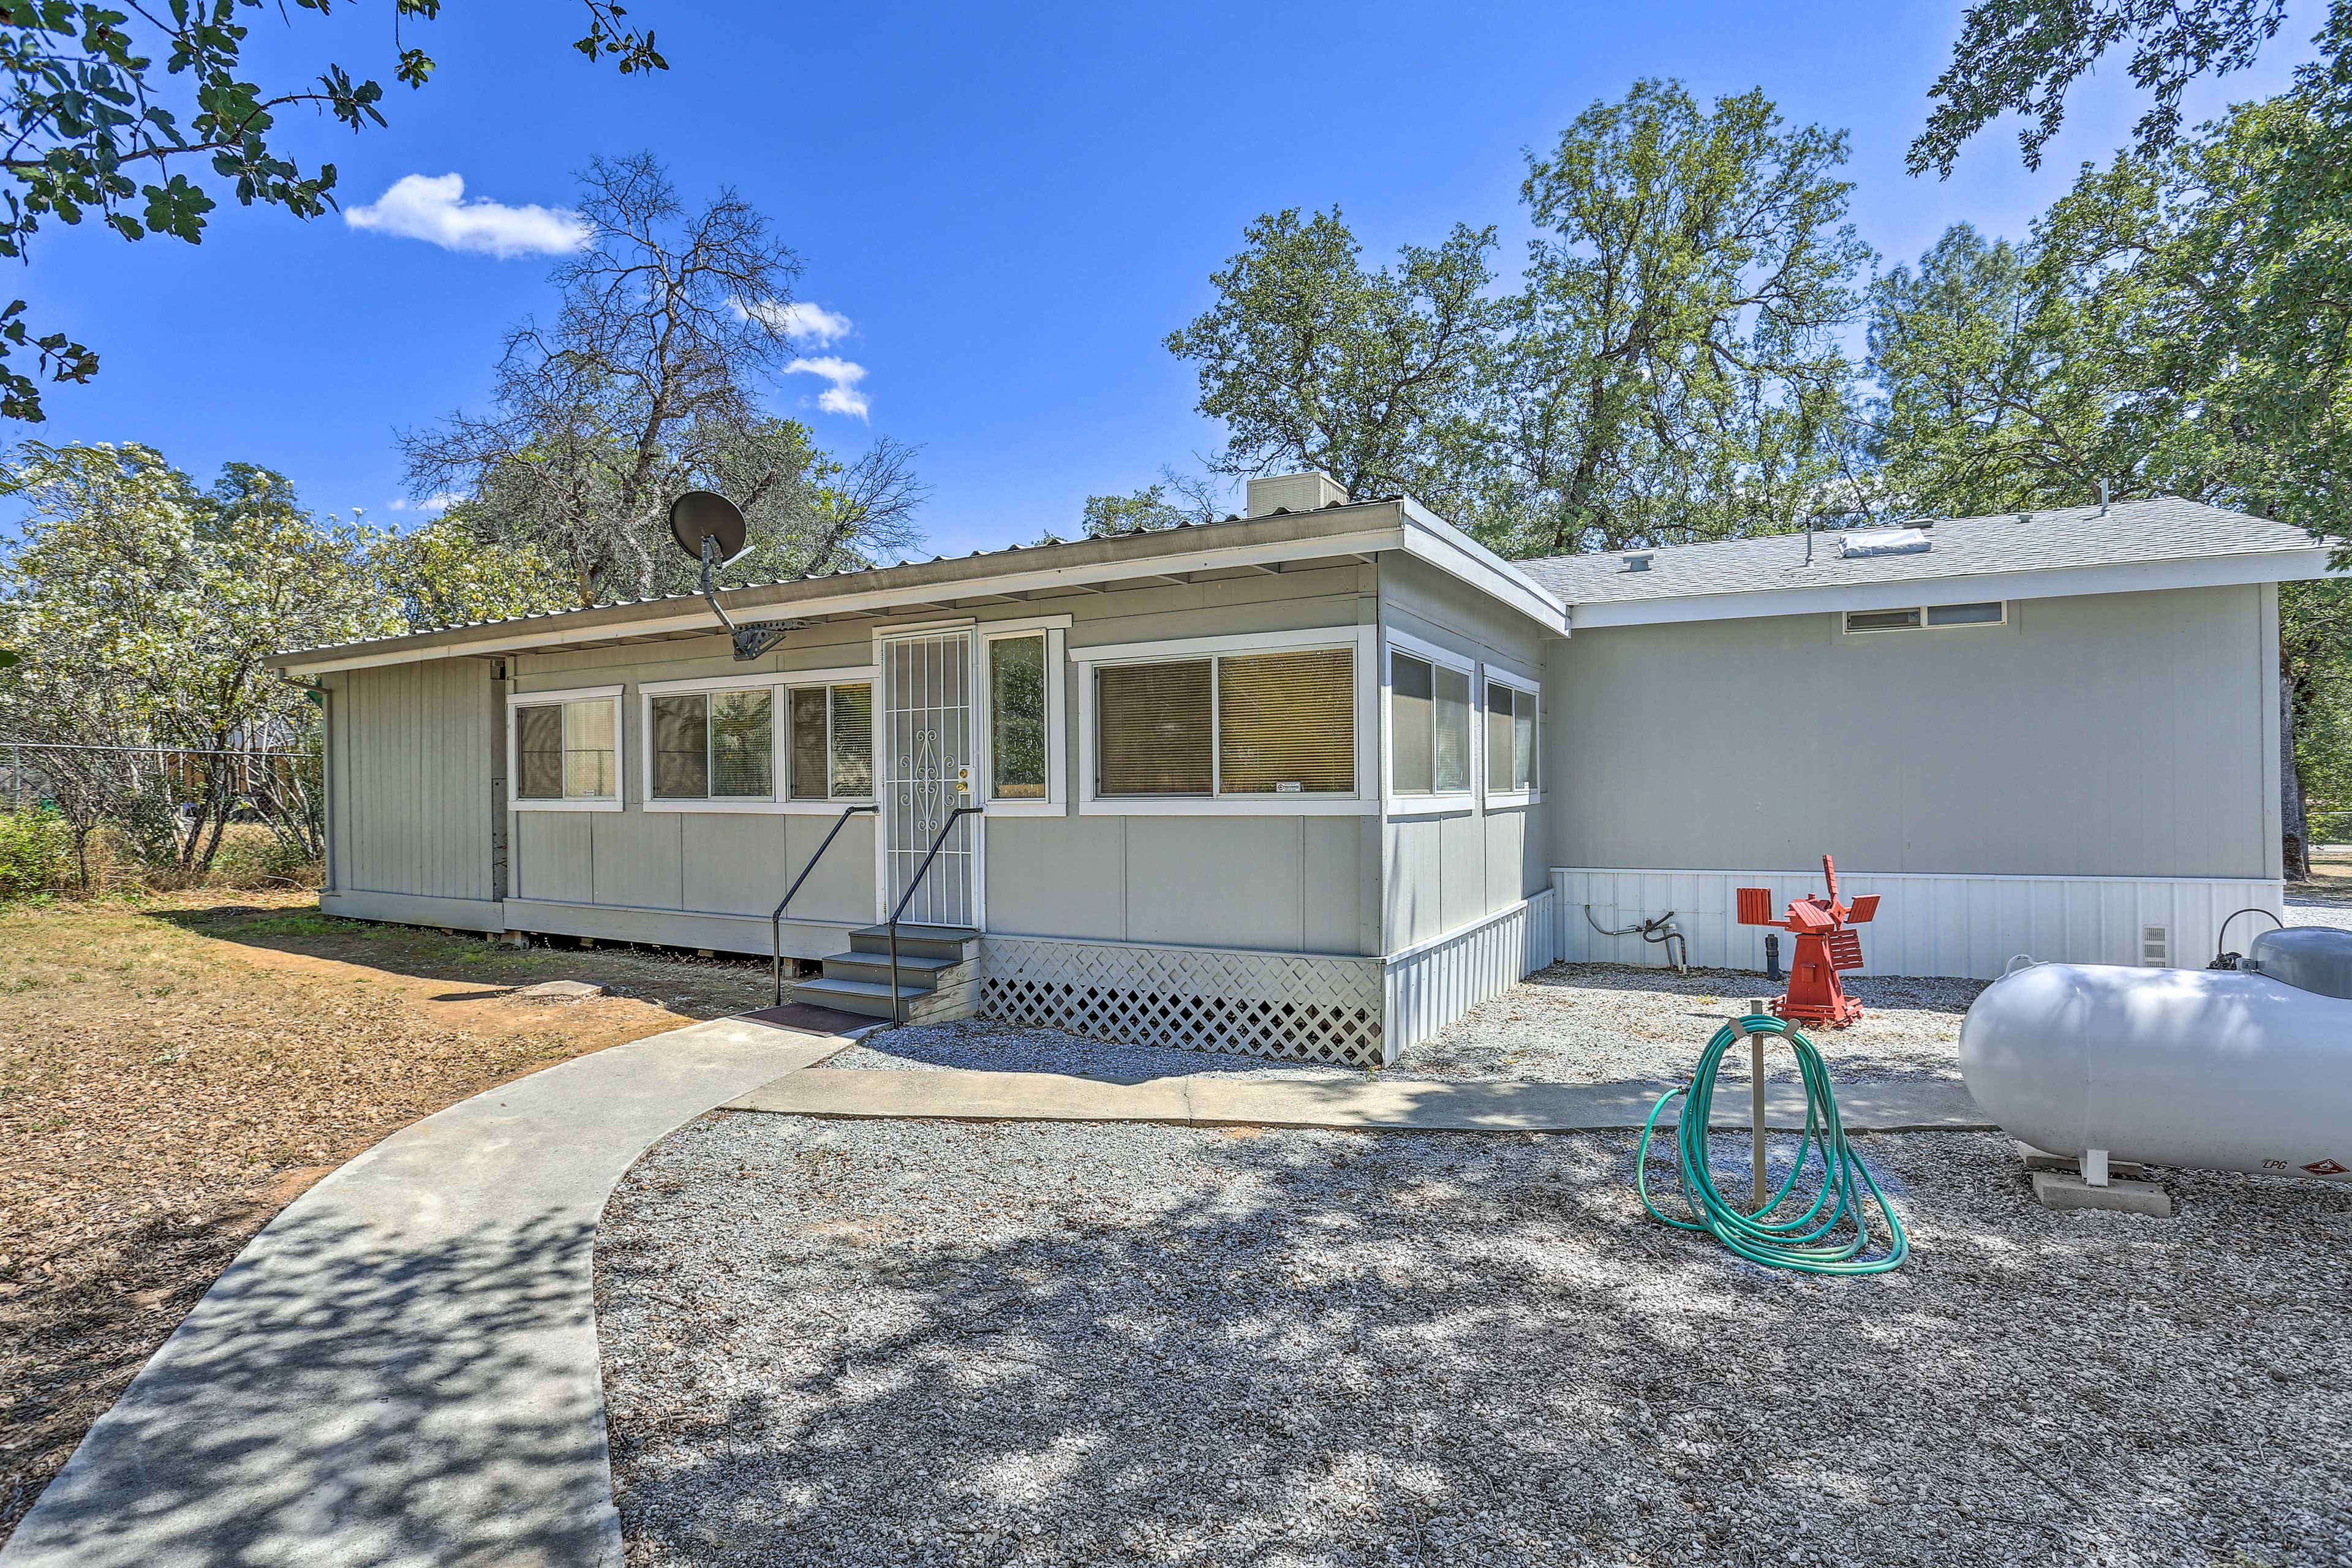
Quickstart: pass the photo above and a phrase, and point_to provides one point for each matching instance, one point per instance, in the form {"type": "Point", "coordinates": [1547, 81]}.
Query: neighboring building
{"type": "Point", "coordinates": [1313, 780]}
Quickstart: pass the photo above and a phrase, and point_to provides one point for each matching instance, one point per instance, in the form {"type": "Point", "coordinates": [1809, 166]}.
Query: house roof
{"type": "Point", "coordinates": [2162, 543]}
{"type": "Point", "coordinates": [1276, 541]}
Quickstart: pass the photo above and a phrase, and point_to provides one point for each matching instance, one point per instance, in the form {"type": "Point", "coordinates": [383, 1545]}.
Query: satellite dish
{"type": "Point", "coordinates": [698, 515]}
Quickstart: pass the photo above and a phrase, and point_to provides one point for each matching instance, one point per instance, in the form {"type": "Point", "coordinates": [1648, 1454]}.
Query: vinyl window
{"type": "Point", "coordinates": [1429, 726]}
{"type": "Point", "coordinates": [568, 750]}
{"type": "Point", "coordinates": [831, 747]}
{"type": "Point", "coordinates": [718, 745]}
{"type": "Point", "coordinates": [1510, 739]}
{"type": "Point", "coordinates": [1017, 748]}
{"type": "Point", "coordinates": [1231, 725]}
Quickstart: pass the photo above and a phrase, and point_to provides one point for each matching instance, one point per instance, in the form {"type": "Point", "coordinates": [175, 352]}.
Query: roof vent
{"type": "Point", "coordinates": [1638, 562]}
{"type": "Point", "coordinates": [1309, 492]}
{"type": "Point", "coordinates": [1865, 541]}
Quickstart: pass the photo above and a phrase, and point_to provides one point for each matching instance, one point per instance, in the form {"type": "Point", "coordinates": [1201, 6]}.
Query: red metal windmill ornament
{"type": "Point", "coordinates": [1824, 946]}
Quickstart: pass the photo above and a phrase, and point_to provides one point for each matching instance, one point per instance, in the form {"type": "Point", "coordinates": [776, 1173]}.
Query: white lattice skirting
{"type": "Point", "coordinates": [1304, 1006]}
{"type": "Point", "coordinates": [1359, 1012]}
{"type": "Point", "coordinates": [1955, 925]}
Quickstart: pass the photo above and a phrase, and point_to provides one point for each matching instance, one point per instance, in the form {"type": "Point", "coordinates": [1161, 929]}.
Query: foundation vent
{"type": "Point", "coordinates": [2155, 946]}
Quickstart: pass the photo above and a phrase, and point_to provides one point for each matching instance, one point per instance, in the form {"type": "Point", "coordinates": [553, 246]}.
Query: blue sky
{"type": "Point", "coordinates": [1011, 207]}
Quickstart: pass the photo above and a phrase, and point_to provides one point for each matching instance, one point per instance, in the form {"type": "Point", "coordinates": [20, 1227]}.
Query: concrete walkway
{"type": "Point", "coordinates": [1399, 1105]}
{"type": "Point", "coordinates": [402, 1369]}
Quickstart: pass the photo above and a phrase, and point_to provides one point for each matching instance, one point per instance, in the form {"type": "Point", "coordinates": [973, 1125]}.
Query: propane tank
{"type": "Point", "coordinates": [2220, 1069]}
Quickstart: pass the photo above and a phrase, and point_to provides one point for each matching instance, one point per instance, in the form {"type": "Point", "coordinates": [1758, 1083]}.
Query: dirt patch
{"type": "Point", "coordinates": [174, 1072]}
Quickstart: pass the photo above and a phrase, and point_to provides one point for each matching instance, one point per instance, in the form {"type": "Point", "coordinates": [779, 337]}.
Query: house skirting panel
{"type": "Point", "coordinates": [672, 928]}
{"type": "Point", "coordinates": [1356, 1012]}
{"type": "Point", "coordinates": [1430, 984]}
{"type": "Point", "coordinates": [1305, 1006]}
{"type": "Point", "coordinates": [1925, 924]}
{"type": "Point", "coordinates": [413, 908]}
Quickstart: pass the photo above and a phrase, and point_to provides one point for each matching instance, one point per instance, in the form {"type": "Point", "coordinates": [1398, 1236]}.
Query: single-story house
{"type": "Point", "coordinates": [1313, 780]}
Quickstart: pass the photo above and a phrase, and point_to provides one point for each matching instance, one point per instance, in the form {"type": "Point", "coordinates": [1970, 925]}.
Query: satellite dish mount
{"type": "Point", "coordinates": [709, 528]}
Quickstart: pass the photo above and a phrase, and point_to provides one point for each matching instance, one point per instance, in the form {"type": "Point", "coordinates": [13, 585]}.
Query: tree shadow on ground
{"type": "Point", "coordinates": [943, 1343]}
{"type": "Point", "coordinates": [485, 968]}
{"type": "Point", "coordinates": [317, 1328]}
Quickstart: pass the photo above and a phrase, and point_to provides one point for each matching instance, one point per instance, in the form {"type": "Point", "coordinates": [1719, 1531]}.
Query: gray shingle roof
{"type": "Point", "coordinates": [2166, 529]}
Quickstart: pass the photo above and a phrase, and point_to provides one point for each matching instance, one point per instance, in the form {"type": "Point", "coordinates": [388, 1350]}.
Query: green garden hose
{"type": "Point", "coordinates": [1832, 1235]}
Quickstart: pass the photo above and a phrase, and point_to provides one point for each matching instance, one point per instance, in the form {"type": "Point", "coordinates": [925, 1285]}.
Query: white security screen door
{"type": "Point", "coordinates": [927, 771]}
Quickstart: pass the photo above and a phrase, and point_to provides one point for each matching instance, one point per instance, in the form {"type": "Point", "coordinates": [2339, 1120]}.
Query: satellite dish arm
{"type": "Point", "coordinates": [749, 642]}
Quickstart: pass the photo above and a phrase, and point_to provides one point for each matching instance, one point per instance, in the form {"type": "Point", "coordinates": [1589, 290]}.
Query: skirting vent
{"type": "Point", "coordinates": [2155, 946]}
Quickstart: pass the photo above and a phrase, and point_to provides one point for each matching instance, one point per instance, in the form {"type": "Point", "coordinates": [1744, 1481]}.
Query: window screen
{"type": "Point", "coordinates": [1016, 718]}
{"type": "Point", "coordinates": [742, 744]}
{"type": "Point", "coordinates": [589, 748]}
{"type": "Point", "coordinates": [811, 755]}
{"type": "Point", "coordinates": [680, 748]}
{"type": "Point", "coordinates": [1286, 722]}
{"type": "Point", "coordinates": [1453, 738]}
{"type": "Point", "coordinates": [1411, 687]}
{"type": "Point", "coordinates": [1153, 728]}
{"type": "Point", "coordinates": [1523, 741]}
{"type": "Point", "coordinates": [853, 742]}
{"type": "Point", "coordinates": [538, 747]}
{"type": "Point", "coordinates": [1510, 739]}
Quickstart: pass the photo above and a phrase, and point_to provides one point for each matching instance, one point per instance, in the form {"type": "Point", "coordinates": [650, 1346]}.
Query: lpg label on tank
{"type": "Point", "coordinates": [2327, 1167]}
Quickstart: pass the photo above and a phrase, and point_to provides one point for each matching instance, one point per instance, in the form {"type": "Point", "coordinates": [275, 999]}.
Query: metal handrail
{"type": "Point", "coordinates": [776, 921]}
{"type": "Point", "coordinates": [912, 883]}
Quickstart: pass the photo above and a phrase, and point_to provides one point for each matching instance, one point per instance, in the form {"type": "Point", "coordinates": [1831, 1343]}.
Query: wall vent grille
{"type": "Point", "coordinates": [2156, 946]}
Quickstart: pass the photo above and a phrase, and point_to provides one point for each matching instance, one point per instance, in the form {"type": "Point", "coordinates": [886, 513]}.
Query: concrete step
{"type": "Point", "coordinates": [958, 1000]}
{"type": "Point", "coordinates": [916, 969]}
{"type": "Point", "coordinates": [930, 942]}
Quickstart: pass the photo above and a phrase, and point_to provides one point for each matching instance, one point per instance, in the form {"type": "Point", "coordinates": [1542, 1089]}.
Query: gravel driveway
{"type": "Point", "coordinates": [1573, 1023]}
{"type": "Point", "coordinates": [852, 1342]}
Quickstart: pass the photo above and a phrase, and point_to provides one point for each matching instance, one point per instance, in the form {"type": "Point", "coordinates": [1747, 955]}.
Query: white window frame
{"type": "Point", "coordinates": [1057, 767]}
{"type": "Point", "coordinates": [1518, 681]}
{"type": "Point", "coordinates": [611, 694]}
{"type": "Point", "coordinates": [1363, 800]}
{"type": "Point", "coordinates": [1847, 629]}
{"type": "Point", "coordinates": [778, 683]}
{"type": "Point", "coordinates": [1444, 803]}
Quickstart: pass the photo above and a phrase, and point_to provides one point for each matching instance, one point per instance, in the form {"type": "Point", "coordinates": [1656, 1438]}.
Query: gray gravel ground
{"type": "Point", "coordinates": [853, 1343]}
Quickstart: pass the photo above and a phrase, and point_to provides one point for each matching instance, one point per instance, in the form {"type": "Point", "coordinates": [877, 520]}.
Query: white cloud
{"type": "Point", "coordinates": [433, 504]}
{"type": "Point", "coordinates": [432, 207]}
{"type": "Point", "coordinates": [842, 396]}
{"type": "Point", "coordinates": [812, 326]}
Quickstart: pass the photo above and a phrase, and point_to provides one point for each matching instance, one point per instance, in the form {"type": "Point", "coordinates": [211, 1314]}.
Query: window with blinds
{"type": "Point", "coordinates": [1429, 726]}
{"type": "Point", "coordinates": [567, 751]}
{"type": "Point", "coordinates": [1152, 728]}
{"type": "Point", "coordinates": [1510, 739]}
{"type": "Point", "coordinates": [1286, 722]}
{"type": "Point", "coordinates": [743, 746]}
{"type": "Point", "coordinates": [830, 741]}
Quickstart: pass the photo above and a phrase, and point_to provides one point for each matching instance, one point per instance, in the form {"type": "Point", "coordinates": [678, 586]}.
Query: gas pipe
{"type": "Point", "coordinates": [2244, 1069]}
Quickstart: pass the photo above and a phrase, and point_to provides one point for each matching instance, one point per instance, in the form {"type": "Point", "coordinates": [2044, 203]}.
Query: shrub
{"type": "Point", "coordinates": [35, 854]}
{"type": "Point", "coordinates": [250, 856]}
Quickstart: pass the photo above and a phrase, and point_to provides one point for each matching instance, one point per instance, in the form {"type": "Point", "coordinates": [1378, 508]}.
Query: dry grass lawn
{"type": "Point", "coordinates": [174, 1072]}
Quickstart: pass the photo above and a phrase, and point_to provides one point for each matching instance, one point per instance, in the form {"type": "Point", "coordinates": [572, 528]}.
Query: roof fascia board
{"type": "Point", "coordinates": [1428, 537]}
{"type": "Point", "coordinates": [1369, 537]}
{"type": "Point", "coordinates": [2053, 582]}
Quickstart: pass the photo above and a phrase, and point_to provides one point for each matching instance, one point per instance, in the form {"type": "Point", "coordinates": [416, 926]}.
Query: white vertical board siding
{"type": "Point", "coordinates": [1925, 924]}
{"type": "Point", "coordinates": [1430, 986]}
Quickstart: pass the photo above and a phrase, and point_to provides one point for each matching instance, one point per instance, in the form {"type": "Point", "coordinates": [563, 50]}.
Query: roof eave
{"type": "Point", "coordinates": [2050, 583]}
{"type": "Point", "coordinates": [1363, 529]}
